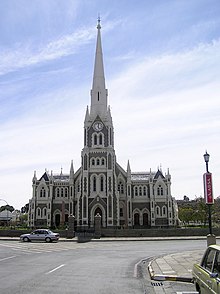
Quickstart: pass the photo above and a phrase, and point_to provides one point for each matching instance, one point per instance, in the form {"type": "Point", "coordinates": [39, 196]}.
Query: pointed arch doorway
{"type": "Point", "coordinates": [98, 211]}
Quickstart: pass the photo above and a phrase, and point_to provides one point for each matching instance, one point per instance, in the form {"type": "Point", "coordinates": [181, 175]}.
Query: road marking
{"type": "Point", "coordinates": [186, 292]}
{"type": "Point", "coordinates": [56, 268]}
{"type": "Point", "coordinates": [7, 258]}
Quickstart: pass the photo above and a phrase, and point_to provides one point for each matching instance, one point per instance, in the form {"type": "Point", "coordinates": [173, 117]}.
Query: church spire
{"type": "Point", "coordinates": [98, 92]}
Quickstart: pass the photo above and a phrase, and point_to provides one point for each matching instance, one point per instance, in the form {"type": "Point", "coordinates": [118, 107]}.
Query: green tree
{"type": "Point", "coordinates": [185, 214]}
{"type": "Point", "coordinates": [7, 207]}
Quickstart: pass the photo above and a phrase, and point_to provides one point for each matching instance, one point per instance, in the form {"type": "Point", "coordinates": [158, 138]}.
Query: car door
{"type": "Point", "coordinates": [42, 234]}
{"type": "Point", "coordinates": [216, 273]}
{"type": "Point", "coordinates": [34, 235]}
{"type": "Point", "coordinates": [206, 273]}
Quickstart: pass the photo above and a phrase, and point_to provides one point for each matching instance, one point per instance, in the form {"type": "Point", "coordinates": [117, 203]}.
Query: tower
{"type": "Point", "coordinates": [98, 154]}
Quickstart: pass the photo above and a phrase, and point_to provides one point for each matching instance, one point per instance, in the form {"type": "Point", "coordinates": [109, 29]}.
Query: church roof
{"type": "Point", "coordinates": [141, 176]}
{"type": "Point", "coordinates": [159, 173]}
{"type": "Point", "coordinates": [61, 177]}
{"type": "Point", "coordinates": [45, 177]}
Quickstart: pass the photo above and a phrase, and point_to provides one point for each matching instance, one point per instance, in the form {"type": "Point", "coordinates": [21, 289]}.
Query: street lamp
{"type": "Point", "coordinates": [208, 197]}
{"type": "Point", "coordinates": [206, 158]}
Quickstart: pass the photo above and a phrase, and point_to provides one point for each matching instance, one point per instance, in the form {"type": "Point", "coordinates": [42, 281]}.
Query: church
{"type": "Point", "coordinates": [122, 198]}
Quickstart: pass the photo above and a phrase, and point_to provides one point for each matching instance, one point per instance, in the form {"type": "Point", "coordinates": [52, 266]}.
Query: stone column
{"type": "Point", "coordinates": [211, 239]}
{"type": "Point", "coordinates": [70, 231]}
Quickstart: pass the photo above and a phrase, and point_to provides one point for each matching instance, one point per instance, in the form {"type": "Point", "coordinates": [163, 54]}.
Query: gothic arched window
{"type": "Point", "coordinates": [85, 184]}
{"type": "Point", "coordinates": [42, 192]}
{"type": "Point", "coordinates": [95, 139]}
{"type": "Point", "coordinates": [160, 190]}
{"type": "Point", "coordinates": [100, 139]}
{"type": "Point", "coordinates": [61, 192]}
{"type": "Point", "coordinates": [94, 184]}
{"type": "Point", "coordinates": [120, 187]}
{"type": "Point", "coordinates": [58, 192]}
{"type": "Point", "coordinates": [102, 184]}
{"type": "Point", "coordinates": [140, 191]}
{"type": "Point", "coordinates": [136, 191]}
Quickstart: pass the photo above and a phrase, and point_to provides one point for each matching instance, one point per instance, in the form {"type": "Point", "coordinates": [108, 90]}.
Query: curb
{"type": "Point", "coordinates": [171, 278]}
{"type": "Point", "coordinates": [112, 239]}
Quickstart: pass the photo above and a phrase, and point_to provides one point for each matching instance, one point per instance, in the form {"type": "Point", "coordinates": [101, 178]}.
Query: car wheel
{"type": "Point", "coordinates": [26, 239]}
{"type": "Point", "coordinates": [48, 239]}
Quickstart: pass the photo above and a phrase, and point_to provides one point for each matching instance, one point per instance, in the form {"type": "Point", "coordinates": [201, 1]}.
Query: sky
{"type": "Point", "coordinates": [162, 72]}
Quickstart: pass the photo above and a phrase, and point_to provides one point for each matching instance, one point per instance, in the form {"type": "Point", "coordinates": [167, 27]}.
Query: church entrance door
{"type": "Point", "coordinates": [98, 211]}
{"type": "Point", "coordinates": [136, 219]}
{"type": "Point", "coordinates": [145, 220]}
{"type": "Point", "coordinates": [57, 220]}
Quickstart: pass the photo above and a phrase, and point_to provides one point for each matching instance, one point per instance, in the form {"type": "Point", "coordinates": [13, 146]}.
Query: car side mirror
{"type": "Point", "coordinates": [214, 275]}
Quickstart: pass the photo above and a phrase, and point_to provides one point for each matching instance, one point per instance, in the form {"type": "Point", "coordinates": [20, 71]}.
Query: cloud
{"type": "Point", "coordinates": [166, 111]}
{"type": "Point", "coordinates": [26, 55]}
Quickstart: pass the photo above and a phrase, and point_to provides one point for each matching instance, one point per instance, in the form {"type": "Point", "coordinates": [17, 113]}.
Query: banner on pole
{"type": "Point", "coordinates": [207, 179]}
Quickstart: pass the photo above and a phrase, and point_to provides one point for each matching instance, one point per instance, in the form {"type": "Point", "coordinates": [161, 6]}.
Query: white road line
{"type": "Point", "coordinates": [7, 258]}
{"type": "Point", "coordinates": [56, 268]}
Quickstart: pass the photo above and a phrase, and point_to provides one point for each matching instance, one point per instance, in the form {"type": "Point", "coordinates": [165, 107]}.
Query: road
{"type": "Point", "coordinates": [81, 268]}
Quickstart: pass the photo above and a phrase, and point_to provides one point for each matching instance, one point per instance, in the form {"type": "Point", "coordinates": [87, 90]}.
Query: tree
{"type": "Point", "coordinates": [185, 214]}
{"type": "Point", "coordinates": [25, 208]}
{"type": "Point", "coordinates": [23, 218]}
{"type": "Point", "coordinates": [7, 207]}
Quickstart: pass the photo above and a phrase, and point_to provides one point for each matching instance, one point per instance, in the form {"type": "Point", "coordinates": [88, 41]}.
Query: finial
{"type": "Point", "coordinates": [99, 20]}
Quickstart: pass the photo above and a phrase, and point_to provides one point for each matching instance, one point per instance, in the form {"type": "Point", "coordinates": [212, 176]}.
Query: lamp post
{"type": "Point", "coordinates": [208, 198]}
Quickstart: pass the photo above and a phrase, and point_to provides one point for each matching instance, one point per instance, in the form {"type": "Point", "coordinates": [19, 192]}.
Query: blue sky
{"type": "Point", "coordinates": [162, 68]}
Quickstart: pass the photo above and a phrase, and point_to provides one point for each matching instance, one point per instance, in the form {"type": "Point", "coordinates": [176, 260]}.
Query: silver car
{"type": "Point", "coordinates": [40, 235]}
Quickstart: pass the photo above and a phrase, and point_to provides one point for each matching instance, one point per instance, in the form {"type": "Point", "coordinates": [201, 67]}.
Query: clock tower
{"type": "Point", "coordinates": [98, 154]}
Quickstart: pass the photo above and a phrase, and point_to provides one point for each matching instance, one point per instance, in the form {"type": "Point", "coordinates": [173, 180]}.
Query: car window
{"type": "Point", "coordinates": [216, 267]}
{"type": "Point", "coordinates": [209, 259]}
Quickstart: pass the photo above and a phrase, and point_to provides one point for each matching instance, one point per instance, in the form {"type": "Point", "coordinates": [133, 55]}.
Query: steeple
{"type": "Point", "coordinates": [98, 92]}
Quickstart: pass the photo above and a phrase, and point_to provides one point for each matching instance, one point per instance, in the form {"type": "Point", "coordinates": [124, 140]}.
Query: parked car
{"type": "Point", "coordinates": [206, 275]}
{"type": "Point", "coordinates": [40, 235]}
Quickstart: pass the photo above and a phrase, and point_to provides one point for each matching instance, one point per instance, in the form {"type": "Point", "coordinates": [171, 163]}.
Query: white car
{"type": "Point", "coordinates": [40, 235]}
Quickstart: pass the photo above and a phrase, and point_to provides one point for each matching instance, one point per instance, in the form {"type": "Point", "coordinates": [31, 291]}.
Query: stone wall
{"type": "Point", "coordinates": [131, 233]}
{"type": "Point", "coordinates": [158, 232]}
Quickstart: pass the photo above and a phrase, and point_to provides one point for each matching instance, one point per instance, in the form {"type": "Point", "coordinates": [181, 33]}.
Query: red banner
{"type": "Point", "coordinates": [207, 178]}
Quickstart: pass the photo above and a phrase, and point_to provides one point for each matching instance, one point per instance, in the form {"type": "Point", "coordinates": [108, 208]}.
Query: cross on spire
{"type": "Point", "coordinates": [99, 20]}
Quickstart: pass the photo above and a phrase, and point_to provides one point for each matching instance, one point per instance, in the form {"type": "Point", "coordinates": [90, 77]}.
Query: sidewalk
{"type": "Point", "coordinates": [167, 270]}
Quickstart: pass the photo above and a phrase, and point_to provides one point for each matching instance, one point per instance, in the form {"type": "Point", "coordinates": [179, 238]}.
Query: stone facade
{"type": "Point", "coordinates": [101, 186]}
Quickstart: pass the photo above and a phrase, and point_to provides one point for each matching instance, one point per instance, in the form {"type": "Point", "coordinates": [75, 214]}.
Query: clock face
{"type": "Point", "coordinates": [98, 126]}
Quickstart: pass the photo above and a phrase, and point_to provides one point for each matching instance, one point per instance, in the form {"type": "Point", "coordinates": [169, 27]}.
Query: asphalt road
{"type": "Point", "coordinates": [84, 268]}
